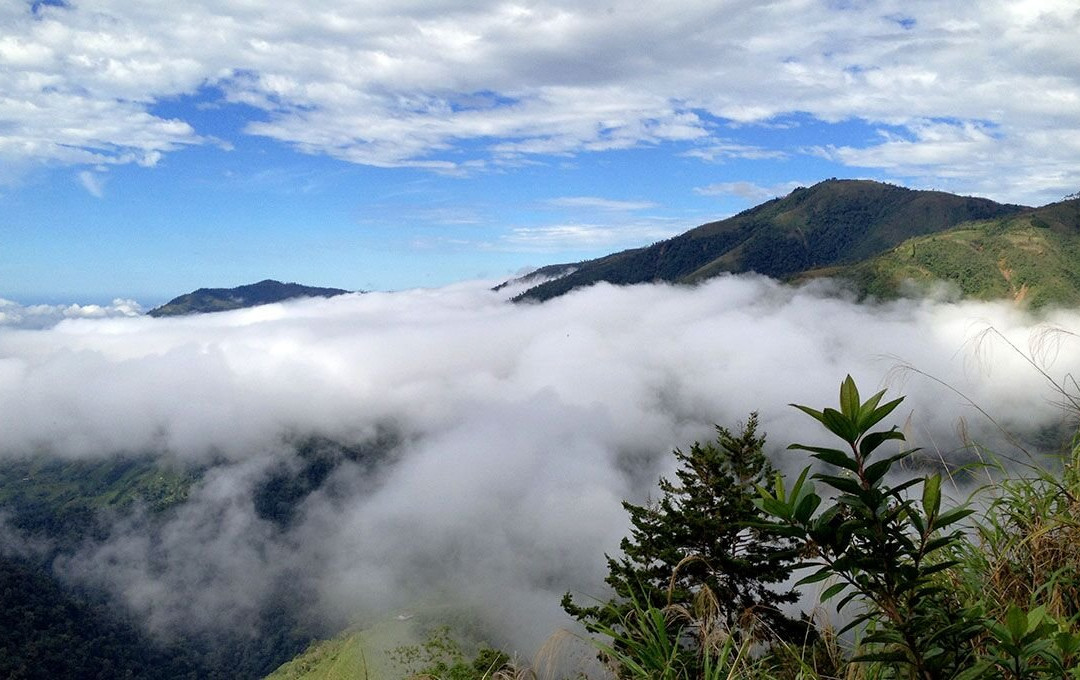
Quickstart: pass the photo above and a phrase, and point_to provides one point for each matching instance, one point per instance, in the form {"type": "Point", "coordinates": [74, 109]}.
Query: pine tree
{"type": "Point", "coordinates": [702, 532]}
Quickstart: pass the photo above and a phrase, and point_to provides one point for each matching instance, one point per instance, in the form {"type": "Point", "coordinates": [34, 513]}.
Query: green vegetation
{"type": "Point", "coordinates": [836, 222]}
{"type": "Point", "coordinates": [928, 588]}
{"type": "Point", "coordinates": [700, 535]}
{"type": "Point", "coordinates": [937, 590]}
{"type": "Point", "coordinates": [54, 629]}
{"type": "Point", "coordinates": [64, 500]}
{"type": "Point", "coordinates": [1032, 258]}
{"type": "Point", "coordinates": [372, 652]}
{"type": "Point", "coordinates": [206, 300]}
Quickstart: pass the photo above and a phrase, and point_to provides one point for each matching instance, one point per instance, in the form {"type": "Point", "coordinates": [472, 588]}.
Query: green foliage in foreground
{"type": "Point", "coordinates": [701, 533]}
{"type": "Point", "coordinates": [936, 590]}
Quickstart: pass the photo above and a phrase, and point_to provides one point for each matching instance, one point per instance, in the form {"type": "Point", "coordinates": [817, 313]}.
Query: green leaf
{"type": "Point", "coordinates": [875, 472]}
{"type": "Point", "coordinates": [951, 517]}
{"type": "Point", "coordinates": [819, 575]}
{"type": "Point", "coordinates": [875, 439]}
{"type": "Point", "coordinates": [879, 414]}
{"type": "Point", "coordinates": [854, 623]}
{"type": "Point", "coordinates": [849, 399]}
{"type": "Point", "coordinates": [832, 590]}
{"type": "Point", "coordinates": [931, 497]}
{"type": "Point", "coordinates": [833, 457]}
{"type": "Point", "coordinates": [813, 413]}
{"type": "Point", "coordinates": [868, 407]}
{"type": "Point", "coordinates": [805, 507]}
{"type": "Point", "coordinates": [1016, 623]}
{"type": "Point", "coordinates": [839, 424]}
{"type": "Point", "coordinates": [844, 484]}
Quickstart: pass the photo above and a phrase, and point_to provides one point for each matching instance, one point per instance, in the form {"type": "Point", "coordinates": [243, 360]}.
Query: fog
{"type": "Point", "coordinates": [516, 429]}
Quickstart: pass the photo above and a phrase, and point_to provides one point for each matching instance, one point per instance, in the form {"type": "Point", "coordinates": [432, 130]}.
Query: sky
{"type": "Point", "coordinates": [151, 148]}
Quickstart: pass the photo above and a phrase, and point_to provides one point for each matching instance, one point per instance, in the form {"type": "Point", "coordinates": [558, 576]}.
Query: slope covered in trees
{"type": "Point", "coordinates": [1033, 257]}
{"type": "Point", "coordinates": [206, 300]}
{"type": "Point", "coordinates": [833, 222]}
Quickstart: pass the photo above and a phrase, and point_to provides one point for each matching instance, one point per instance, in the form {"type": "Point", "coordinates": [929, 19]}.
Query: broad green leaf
{"type": "Point", "coordinates": [804, 508]}
{"type": "Point", "coordinates": [845, 484]}
{"type": "Point", "coordinates": [873, 440]}
{"type": "Point", "coordinates": [879, 414]}
{"type": "Point", "coordinates": [834, 457]}
{"type": "Point", "coordinates": [931, 496]}
{"type": "Point", "coordinates": [951, 517]}
{"type": "Point", "coordinates": [839, 424]}
{"type": "Point", "coordinates": [849, 399]}
{"type": "Point", "coordinates": [832, 590]}
{"type": "Point", "coordinates": [916, 520]}
{"type": "Point", "coordinates": [874, 473]}
{"type": "Point", "coordinates": [818, 576]}
{"type": "Point", "coordinates": [868, 407]}
{"type": "Point", "coordinates": [1016, 623]}
{"type": "Point", "coordinates": [862, 618]}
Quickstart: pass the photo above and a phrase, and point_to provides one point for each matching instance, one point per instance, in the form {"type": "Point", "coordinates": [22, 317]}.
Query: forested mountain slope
{"type": "Point", "coordinates": [831, 223]}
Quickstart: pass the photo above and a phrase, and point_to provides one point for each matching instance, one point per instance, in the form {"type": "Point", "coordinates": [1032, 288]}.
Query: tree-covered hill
{"type": "Point", "coordinates": [831, 223]}
{"type": "Point", "coordinates": [1032, 258]}
{"type": "Point", "coordinates": [265, 292]}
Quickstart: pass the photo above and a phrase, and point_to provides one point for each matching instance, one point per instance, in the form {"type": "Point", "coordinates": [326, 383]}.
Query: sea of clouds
{"type": "Point", "coordinates": [518, 428]}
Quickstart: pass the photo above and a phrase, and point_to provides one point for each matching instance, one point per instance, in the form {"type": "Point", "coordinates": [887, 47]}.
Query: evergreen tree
{"type": "Point", "coordinates": [705, 532]}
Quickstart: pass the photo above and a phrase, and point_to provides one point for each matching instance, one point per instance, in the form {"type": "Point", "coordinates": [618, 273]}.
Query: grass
{"type": "Point", "coordinates": [355, 654]}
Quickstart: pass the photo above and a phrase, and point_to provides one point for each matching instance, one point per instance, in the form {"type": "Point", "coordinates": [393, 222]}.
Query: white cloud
{"type": "Point", "coordinates": [448, 85]}
{"type": "Point", "coordinates": [597, 203]}
{"type": "Point", "coordinates": [14, 315]}
{"type": "Point", "coordinates": [748, 190]}
{"type": "Point", "coordinates": [94, 183]}
{"type": "Point", "coordinates": [591, 236]}
{"type": "Point", "coordinates": [520, 427]}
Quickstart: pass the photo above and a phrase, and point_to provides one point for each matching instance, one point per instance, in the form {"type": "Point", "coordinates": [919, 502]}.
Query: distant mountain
{"type": "Point", "coordinates": [834, 222]}
{"type": "Point", "coordinates": [206, 300]}
{"type": "Point", "coordinates": [1033, 257]}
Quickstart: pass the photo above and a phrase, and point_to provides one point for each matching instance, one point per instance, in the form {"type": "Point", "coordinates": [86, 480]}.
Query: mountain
{"type": "Point", "coordinates": [1032, 257]}
{"type": "Point", "coordinates": [206, 300]}
{"type": "Point", "coordinates": [834, 222]}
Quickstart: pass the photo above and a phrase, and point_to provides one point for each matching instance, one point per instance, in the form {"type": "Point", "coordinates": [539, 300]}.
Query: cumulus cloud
{"type": "Point", "coordinates": [15, 315]}
{"type": "Point", "coordinates": [517, 429]}
{"type": "Point", "coordinates": [454, 85]}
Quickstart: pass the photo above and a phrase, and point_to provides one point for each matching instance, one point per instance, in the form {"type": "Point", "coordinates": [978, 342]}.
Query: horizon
{"type": "Point", "coordinates": [147, 153]}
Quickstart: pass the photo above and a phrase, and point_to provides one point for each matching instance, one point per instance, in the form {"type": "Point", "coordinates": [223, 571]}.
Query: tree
{"type": "Point", "coordinates": [705, 532]}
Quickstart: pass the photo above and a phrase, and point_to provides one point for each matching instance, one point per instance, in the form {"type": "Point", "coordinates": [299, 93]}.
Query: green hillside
{"type": "Point", "coordinates": [206, 300]}
{"type": "Point", "coordinates": [352, 654]}
{"type": "Point", "coordinates": [1033, 258]}
{"type": "Point", "coordinates": [64, 499]}
{"type": "Point", "coordinates": [831, 223]}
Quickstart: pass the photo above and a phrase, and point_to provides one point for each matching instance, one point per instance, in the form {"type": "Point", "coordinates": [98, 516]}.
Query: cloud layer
{"type": "Point", "coordinates": [981, 98]}
{"type": "Point", "coordinates": [518, 428]}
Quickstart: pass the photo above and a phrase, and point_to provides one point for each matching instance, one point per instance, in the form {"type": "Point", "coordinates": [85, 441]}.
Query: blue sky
{"type": "Point", "coordinates": [147, 149]}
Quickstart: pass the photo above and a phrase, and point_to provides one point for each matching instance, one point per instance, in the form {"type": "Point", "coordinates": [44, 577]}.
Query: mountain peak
{"type": "Point", "coordinates": [267, 291]}
{"type": "Point", "coordinates": [834, 222]}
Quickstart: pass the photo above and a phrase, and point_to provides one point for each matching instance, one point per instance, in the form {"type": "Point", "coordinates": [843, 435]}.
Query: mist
{"type": "Point", "coordinates": [515, 430]}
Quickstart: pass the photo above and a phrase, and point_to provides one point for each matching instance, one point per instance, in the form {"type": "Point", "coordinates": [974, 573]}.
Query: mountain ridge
{"type": "Point", "coordinates": [1032, 258]}
{"type": "Point", "coordinates": [834, 222]}
{"type": "Point", "coordinates": [267, 291]}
